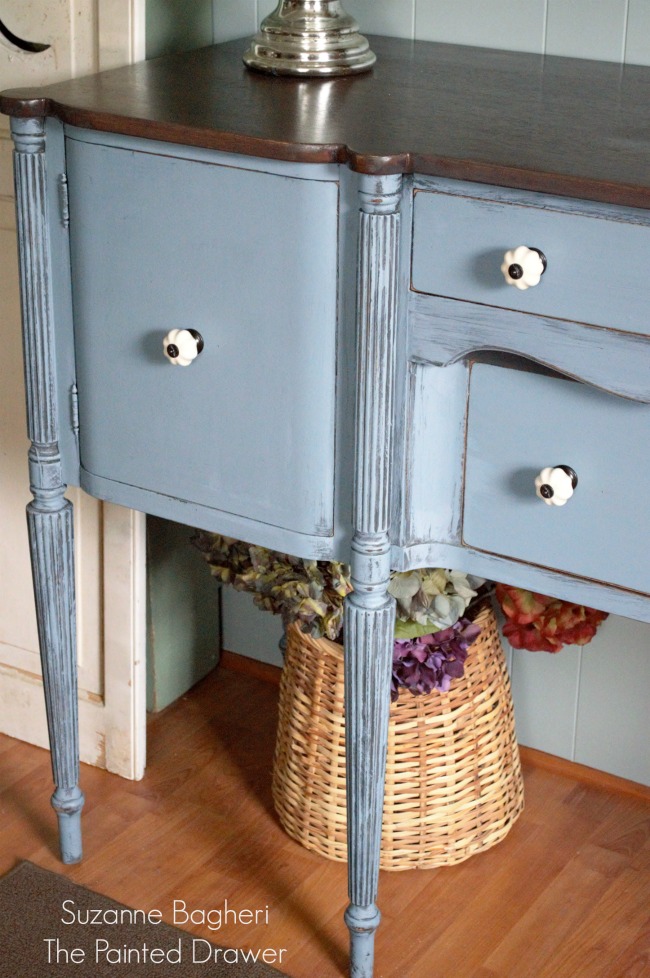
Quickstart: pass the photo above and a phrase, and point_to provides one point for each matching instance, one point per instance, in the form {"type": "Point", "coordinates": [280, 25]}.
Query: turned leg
{"type": "Point", "coordinates": [370, 613]}
{"type": "Point", "coordinates": [49, 515]}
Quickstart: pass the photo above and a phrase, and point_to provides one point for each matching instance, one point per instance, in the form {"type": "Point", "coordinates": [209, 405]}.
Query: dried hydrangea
{"type": "Point", "coordinates": [541, 624]}
{"type": "Point", "coordinates": [430, 662]}
{"type": "Point", "coordinates": [430, 599]}
{"type": "Point", "coordinates": [312, 593]}
{"type": "Point", "coordinates": [309, 592]}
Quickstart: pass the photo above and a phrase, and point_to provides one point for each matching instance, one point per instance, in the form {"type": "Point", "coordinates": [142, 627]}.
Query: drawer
{"type": "Point", "coordinates": [247, 259]}
{"type": "Point", "coordinates": [597, 256]}
{"type": "Point", "coordinates": [520, 423]}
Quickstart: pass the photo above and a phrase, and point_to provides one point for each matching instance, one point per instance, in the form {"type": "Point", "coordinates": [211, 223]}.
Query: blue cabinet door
{"type": "Point", "coordinates": [249, 260]}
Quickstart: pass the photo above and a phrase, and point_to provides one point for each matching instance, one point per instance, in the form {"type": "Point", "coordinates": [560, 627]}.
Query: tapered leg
{"type": "Point", "coordinates": [368, 650]}
{"type": "Point", "coordinates": [370, 614]}
{"type": "Point", "coordinates": [50, 533]}
{"type": "Point", "coordinates": [49, 515]}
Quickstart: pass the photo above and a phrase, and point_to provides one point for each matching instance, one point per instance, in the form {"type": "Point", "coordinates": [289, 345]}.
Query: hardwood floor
{"type": "Point", "coordinates": [566, 895]}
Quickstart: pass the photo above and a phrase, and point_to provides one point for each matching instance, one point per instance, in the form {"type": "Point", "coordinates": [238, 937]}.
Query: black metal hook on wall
{"type": "Point", "coordinates": [31, 46]}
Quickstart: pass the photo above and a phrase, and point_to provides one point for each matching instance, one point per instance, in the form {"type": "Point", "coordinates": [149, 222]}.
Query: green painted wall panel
{"type": "Point", "coordinates": [177, 25]}
{"type": "Point", "coordinates": [183, 629]}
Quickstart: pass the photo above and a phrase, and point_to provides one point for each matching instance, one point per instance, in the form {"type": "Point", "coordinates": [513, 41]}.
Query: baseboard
{"type": "Point", "coordinates": [584, 774]}
{"type": "Point", "coordinates": [250, 667]}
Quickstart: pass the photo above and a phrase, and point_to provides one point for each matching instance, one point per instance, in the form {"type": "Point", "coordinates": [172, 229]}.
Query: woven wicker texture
{"type": "Point", "coordinates": [453, 776]}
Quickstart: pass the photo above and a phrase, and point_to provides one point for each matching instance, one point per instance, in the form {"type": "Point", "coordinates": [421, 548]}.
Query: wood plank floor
{"type": "Point", "coordinates": [566, 895]}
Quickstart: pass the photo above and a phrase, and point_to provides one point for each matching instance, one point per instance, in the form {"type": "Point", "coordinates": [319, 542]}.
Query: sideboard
{"type": "Point", "coordinates": [384, 319]}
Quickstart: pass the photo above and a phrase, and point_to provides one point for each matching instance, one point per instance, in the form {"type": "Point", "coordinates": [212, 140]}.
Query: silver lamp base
{"type": "Point", "coordinates": [309, 37]}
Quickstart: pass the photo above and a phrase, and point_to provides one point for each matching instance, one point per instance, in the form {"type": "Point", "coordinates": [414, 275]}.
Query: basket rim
{"type": "Point", "coordinates": [480, 611]}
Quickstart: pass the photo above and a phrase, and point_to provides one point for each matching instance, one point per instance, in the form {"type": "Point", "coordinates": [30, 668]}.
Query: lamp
{"type": "Point", "coordinates": [309, 37]}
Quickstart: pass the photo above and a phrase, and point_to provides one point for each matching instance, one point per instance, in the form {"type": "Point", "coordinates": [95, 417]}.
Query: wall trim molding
{"type": "Point", "coordinates": [584, 774]}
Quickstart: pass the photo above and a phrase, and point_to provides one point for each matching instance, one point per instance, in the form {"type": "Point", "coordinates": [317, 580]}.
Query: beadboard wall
{"type": "Point", "coordinates": [611, 30]}
{"type": "Point", "coordinates": [588, 705]}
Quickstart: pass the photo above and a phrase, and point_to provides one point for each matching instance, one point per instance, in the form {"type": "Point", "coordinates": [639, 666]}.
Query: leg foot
{"type": "Point", "coordinates": [67, 803]}
{"type": "Point", "coordinates": [362, 923]}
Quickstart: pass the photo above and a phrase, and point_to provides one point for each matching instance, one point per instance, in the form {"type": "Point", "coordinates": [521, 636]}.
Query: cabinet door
{"type": "Point", "coordinates": [249, 260]}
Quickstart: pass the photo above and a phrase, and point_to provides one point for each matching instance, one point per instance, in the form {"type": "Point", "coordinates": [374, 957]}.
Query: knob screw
{"type": "Point", "coordinates": [523, 267]}
{"type": "Point", "coordinates": [556, 484]}
{"type": "Point", "coordinates": [182, 346]}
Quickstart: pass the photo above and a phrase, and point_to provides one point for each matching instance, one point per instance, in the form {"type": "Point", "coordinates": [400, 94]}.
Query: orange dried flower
{"type": "Point", "coordinates": [542, 624]}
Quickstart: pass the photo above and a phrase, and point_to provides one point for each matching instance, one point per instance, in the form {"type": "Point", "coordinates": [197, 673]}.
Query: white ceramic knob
{"type": "Point", "coordinates": [182, 346]}
{"type": "Point", "coordinates": [523, 267]}
{"type": "Point", "coordinates": [556, 484]}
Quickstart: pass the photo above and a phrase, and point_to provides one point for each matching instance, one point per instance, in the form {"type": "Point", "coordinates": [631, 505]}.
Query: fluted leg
{"type": "Point", "coordinates": [49, 515]}
{"type": "Point", "coordinates": [50, 533]}
{"type": "Point", "coordinates": [370, 614]}
{"type": "Point", "coordinates": [368, 644]}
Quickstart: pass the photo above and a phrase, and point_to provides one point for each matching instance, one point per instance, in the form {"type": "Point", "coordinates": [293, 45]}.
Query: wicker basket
{"type": "Point", "coordinates": [453, 776]}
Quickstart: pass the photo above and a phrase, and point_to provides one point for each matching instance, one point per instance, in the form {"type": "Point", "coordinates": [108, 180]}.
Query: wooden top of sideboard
{"type": "Point", "coordinates": [557, 125]}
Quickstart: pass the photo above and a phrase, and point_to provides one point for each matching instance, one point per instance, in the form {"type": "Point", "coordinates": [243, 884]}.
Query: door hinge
{"type": "Point", "coordinates": [74, 409]}
{"type": "Point", "coordinates": [64, 200]}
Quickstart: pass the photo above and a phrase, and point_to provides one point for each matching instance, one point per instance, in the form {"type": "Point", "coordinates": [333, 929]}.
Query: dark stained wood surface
{"type": "Point", "coordinates": [567, 126]}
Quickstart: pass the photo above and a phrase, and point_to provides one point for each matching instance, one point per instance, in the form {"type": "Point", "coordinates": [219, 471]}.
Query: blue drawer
{"type": "Point", "coordinates": [521, 422]}
{"type": "Point", "coordinates": [249, 260]}
{"type": "Point", "coordinates": [598, 257]}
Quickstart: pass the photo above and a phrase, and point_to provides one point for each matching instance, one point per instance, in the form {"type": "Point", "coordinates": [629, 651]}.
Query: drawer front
{"type": "Point", "coordinates": [520, 423]}
{"type": "Point", "coordinates": [247, 259]}
{"type": "Point", "coordinates": [597, 258]}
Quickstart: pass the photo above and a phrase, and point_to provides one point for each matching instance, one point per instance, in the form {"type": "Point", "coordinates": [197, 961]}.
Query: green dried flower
{"type": "Point", "coordinates": [310, 592]}
{"type": "Point", "coordinates": [430, 599]}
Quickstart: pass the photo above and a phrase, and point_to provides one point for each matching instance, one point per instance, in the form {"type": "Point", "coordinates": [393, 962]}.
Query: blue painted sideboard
{"type": "Point", "coordinates": [362, 378]}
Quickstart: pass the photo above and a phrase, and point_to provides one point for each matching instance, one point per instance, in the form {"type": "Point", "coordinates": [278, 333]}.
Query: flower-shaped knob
{"type": "Point", "coordinates": [523, 267]}
{"type": "Point", "coordinates": [181, 346]}
{"type": "Point", "coordinates": [555, 485]}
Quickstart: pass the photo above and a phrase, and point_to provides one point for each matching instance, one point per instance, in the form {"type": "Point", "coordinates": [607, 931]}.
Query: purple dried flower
{"type": "Point", "coordinates": [431, 661]}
